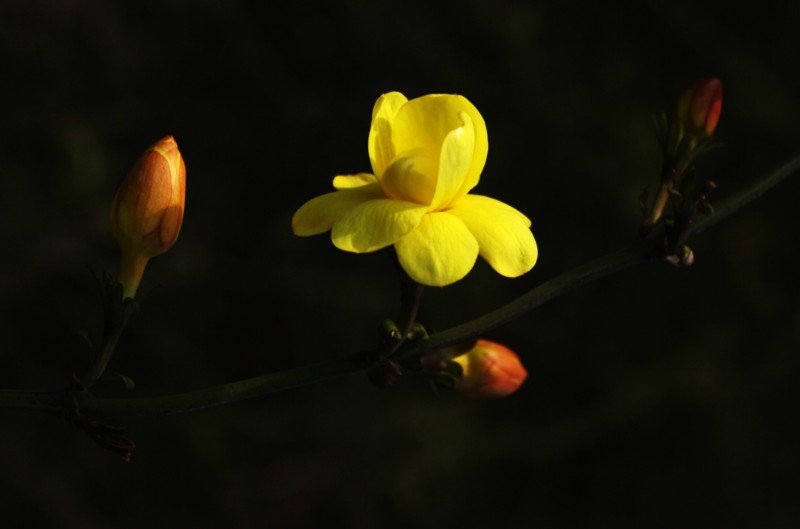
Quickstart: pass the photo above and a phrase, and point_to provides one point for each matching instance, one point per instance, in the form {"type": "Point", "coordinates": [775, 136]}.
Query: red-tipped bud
{"type": "Point", "coordinates": [699, 107]}
{"type": "Point", "coordinates": [147, 212]}
{"type": "Point", "coordinates": [490, 370]}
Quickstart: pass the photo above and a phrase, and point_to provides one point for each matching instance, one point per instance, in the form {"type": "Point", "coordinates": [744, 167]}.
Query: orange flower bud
{"type": "Point", "coordinates": [147, 212]}
{"type": "Point", "coordinates": [490, 370]}
{"type": "Point", "coordinates": [699, 107]}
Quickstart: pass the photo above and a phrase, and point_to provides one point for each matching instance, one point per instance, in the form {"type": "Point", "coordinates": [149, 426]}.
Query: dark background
{"type": "Point", "coordinates": [656, 398]}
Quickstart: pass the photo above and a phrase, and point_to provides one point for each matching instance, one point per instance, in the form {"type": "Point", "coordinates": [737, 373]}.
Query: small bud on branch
{"type": "Point", "coordinates": [490, 370]}
{"type": "Point", "coordinates": [147, 212]}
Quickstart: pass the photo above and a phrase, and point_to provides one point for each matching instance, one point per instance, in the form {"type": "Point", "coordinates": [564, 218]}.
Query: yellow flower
{"type": "Point", "coordinates": [147, 212]}
{"type": "Point", "coordinates": [426, 155]}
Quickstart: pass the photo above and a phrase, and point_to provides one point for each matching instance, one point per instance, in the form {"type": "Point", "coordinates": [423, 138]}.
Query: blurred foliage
{"type": "Point", "coordinates": [657, 398]}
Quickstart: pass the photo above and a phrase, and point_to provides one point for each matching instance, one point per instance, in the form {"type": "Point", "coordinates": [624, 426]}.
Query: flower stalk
{"type": "Point", "coordinates": [684, 136]}
{"type": "Point", "coordinates": [640, 252]}
{"type": "Point", "coordinates": [145, 218]}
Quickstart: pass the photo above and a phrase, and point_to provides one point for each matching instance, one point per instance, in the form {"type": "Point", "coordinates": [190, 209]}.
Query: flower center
{"type": "Point", "coordinates": [411, 176]}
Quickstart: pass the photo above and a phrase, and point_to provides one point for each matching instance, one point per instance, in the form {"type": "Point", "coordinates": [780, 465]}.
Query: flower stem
{"type": "Point", "coordinates": [411, 298]}
{"type": "Point", "coordinates": [533, 299]}
{"type": "Point", "coordinates": [117, 311]}
{"type": "Point", "coordinates": [103, 358]}
{"type": "Point", "coordinates": [225, 393]}
{"type": "Point", "coordinates": [131, 270]}
{"type": "Point", "coordinates": [645, 249]}
{"type": "Point", "coordinates": [657, 210]}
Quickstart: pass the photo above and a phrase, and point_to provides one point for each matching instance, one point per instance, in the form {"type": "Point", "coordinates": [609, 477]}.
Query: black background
{"type": "Point", "coordinates": [656, 398]}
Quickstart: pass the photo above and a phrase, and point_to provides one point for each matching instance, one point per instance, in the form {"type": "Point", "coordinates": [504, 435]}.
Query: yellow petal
{"type": "Point", "coordinates": [319, 214]}
{"type": "Point", "coordinates": [353, 180]}
{"type": "Point", "coordinates": [381, 149]}
{"type": "Point", "coordinates": [439, 252]}
{"type": "Point", "coordinates": [376, 224]}
{"type": "Point", "coordinates": [503, 233]}
{"type": "Point", "coordinates": [480, 151]}
{"type": "Point", "coordinates": [426, 121]}
{"type": "Point", "coordinates": [411, 177]}
{"type": "Point", "coordinates": [455, 161]}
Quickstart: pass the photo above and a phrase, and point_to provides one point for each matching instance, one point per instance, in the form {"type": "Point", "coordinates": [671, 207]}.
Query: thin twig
{"type": "Point", "coordinates": [640, 252]}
